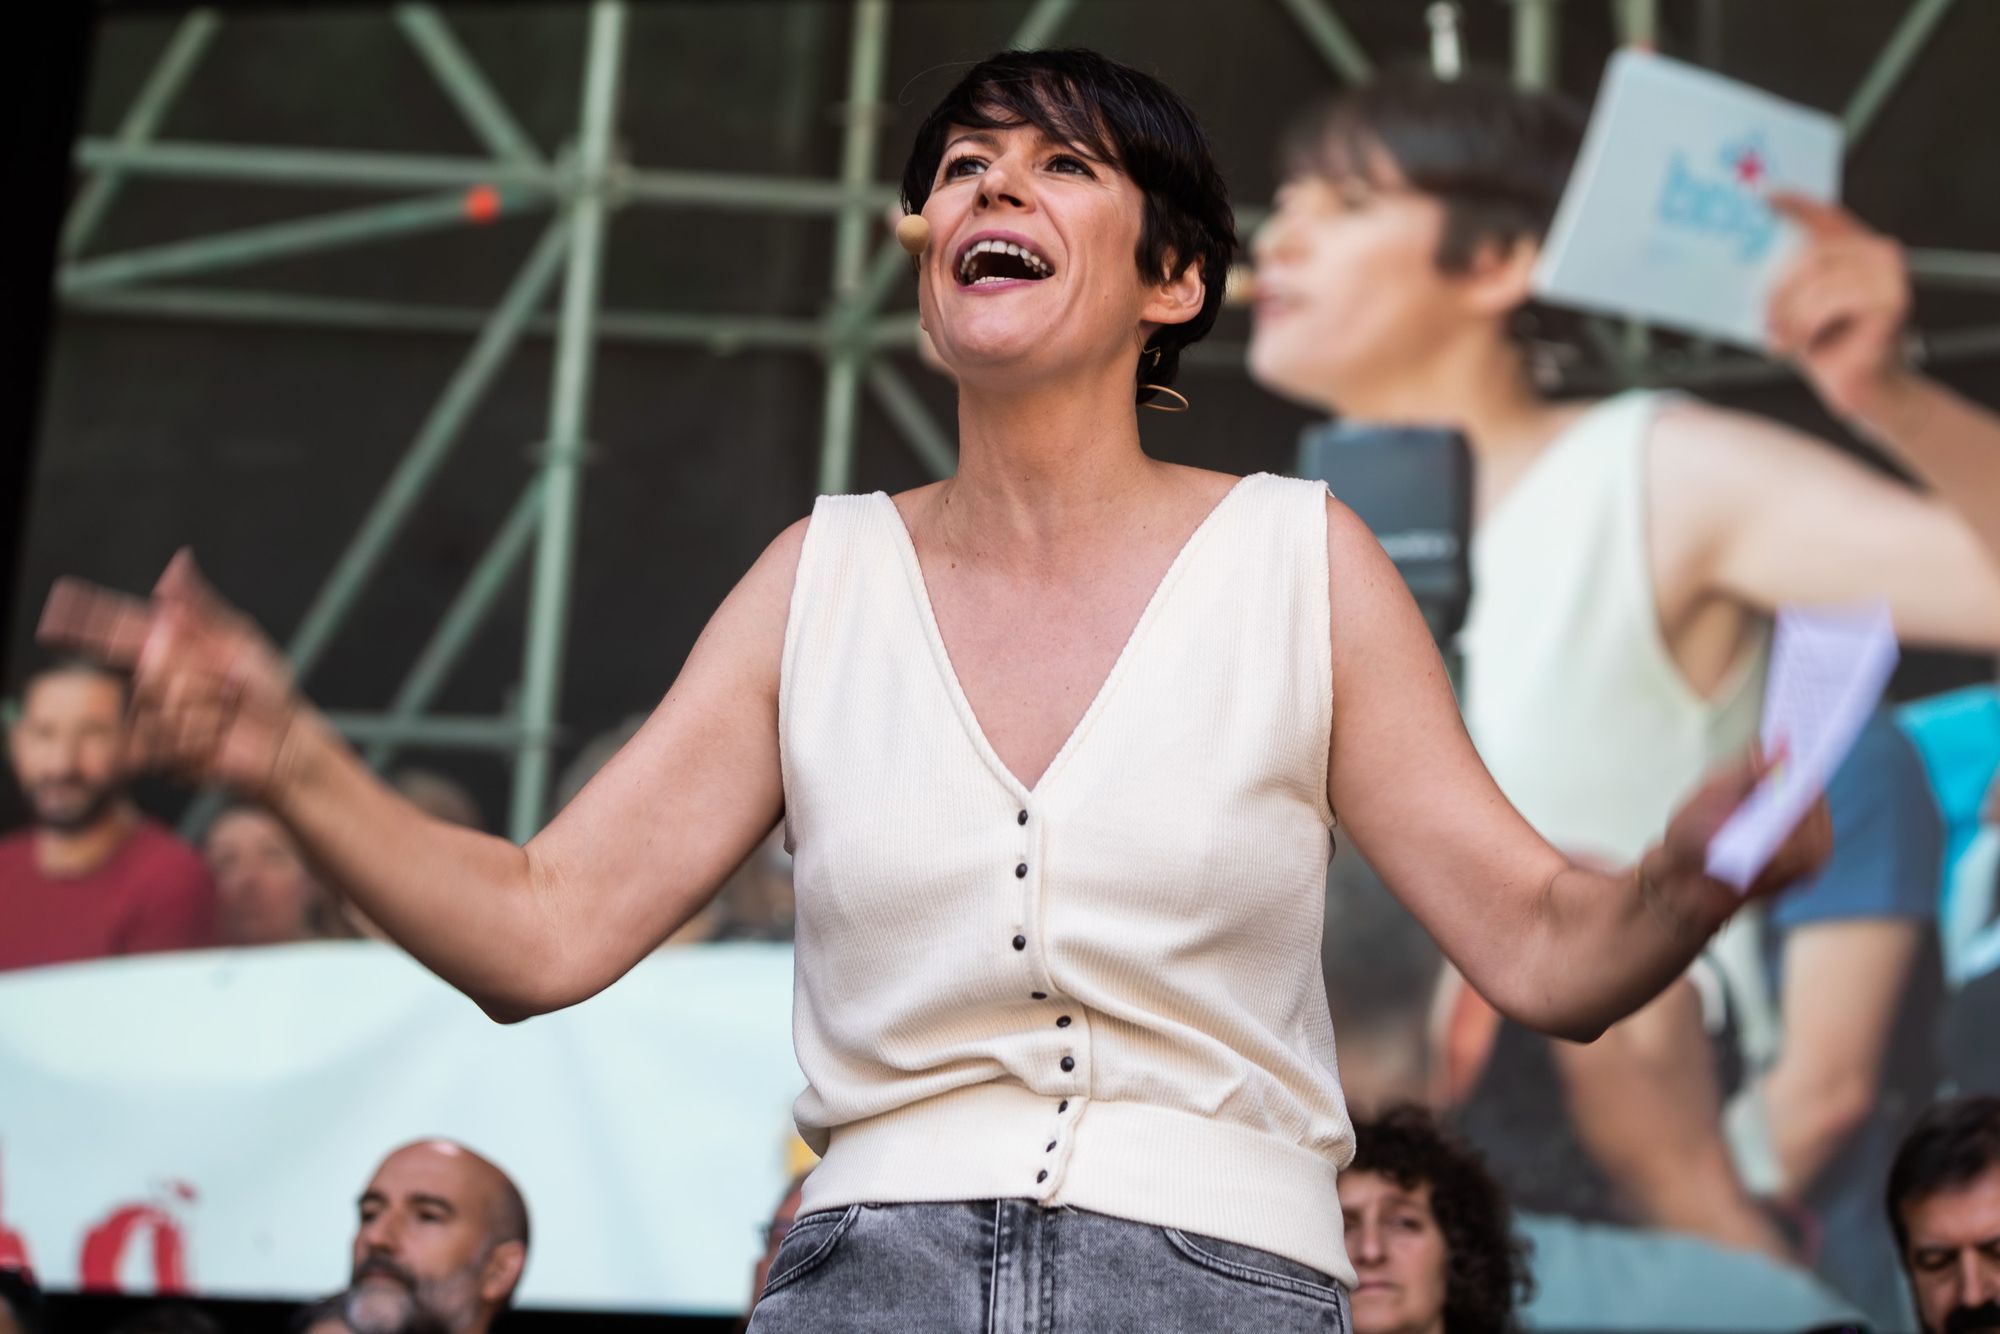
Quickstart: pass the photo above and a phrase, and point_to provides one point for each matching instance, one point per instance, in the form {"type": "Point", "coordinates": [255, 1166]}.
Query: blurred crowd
{"type": "Point", "coordinates": [93, 877]}
{"type": "Point", "coordinates": [442, 1238]}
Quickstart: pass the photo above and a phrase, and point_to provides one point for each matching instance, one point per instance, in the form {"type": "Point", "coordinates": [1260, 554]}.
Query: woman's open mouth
{"type": "Point", "coordinates": [992, 261]}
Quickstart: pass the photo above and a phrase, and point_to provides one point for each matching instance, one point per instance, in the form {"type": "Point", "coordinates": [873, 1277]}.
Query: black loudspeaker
{"type": "Point", "coordinates": [1413, 486]}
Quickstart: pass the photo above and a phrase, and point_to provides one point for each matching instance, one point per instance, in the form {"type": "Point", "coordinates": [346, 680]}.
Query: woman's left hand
{"type": "Point", "coordinates": [1677, 869]}
{"type": "Point", "coordinates": [1840, 309]}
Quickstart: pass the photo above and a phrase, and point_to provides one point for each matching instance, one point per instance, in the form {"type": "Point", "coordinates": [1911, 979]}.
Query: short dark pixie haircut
{"type": "Point", "coordinates": [1953, 1143]}
{"type": "Point", "coordinates": [1128, 119]}
{"type": "Point", "coordinates": [1496, 156]}
{"type": "Point", "coordinates": [1486, 1265]}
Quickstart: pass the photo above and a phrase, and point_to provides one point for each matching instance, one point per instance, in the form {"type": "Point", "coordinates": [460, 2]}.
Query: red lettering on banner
{"type": "Point", "coordinates": [105, 1247]}
{"type": "Point", "coordinates": [13, 1246]}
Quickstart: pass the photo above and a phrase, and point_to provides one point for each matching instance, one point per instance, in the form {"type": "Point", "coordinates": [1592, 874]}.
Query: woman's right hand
{"type": "Point", "coordinates": [212, 697]}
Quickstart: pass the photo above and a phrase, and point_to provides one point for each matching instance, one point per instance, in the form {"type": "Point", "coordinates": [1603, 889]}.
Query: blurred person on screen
{"type": "Point", "coordinates": [91, 876]}
{"type": "Point", "coordinates": [1628, 553]}
{"type": "Point", "coordinates": [266, 894]}
{"type": "Point", "coordinates": [441, 1243]}
{"type": "Point", "coordinates": [1944, 1206]}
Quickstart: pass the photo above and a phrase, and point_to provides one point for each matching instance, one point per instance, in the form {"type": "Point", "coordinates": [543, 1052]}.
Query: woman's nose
{"type": "Point", "coordinates": [1001, 183]}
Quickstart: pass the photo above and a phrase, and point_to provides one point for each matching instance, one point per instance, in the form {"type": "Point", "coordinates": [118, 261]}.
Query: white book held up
{"type": "Point", "coordinates": [1664, 218]}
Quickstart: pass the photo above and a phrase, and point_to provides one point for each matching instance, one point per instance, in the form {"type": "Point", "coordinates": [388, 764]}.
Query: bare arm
{"type": "Point", "coordinates": [520, 930]}
{"type": "Point", "coordinates": [1787, 519]}
{"type": "Point", "coordinates": [1556, 947]}
{"type": "Point", "coordinates": [1843, 983]}
{"type": "Point", "coordinates": [1644, 1101]}
{"type": "Point", "coordinates": [1840, 313]}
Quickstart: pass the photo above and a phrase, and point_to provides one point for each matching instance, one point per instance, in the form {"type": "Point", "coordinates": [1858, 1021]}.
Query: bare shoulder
{"type": "Point", "coordinates": [1352, 550]}
{"type": "Point", "coordinates": [1716, 443]}
{"type": "Point", "coordinates": [747, 632]}
{"type": "Point", "coordinates": [770, 577]}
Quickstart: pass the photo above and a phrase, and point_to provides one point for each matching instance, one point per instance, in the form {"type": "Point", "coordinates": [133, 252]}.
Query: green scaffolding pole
{"type": "Point", "coordinates": [866, 56]}
{"type": "Point", "coordinates": [1324, 28]}
{"type": "Point", "coordinates": [427, 452]}
{"type": "Point", "coordinates": [183, 51]}
{"type": "Point", "coordinates": [721, 334]}
{"type": "Point", "coordinates": [463, 619]}
{"type": "Point", "coordinates": [1535, 42]}
{"type": "Point", "coordinates": [1041, 24]}
{"type": "Point", "coordinates": [1638, 22]}
{"type": "Point", "coordinates": [253, 245]}
{"type": "Point", "coordinates": [1905, 44]}
{"type": "Point", "coordinates": [562, 462]}
{"type": "Point", "coordinates": [349, 168]}
{"type": "Point", "coordinates": [927, 440]}
{"type": "Point", "coordinates": [467, 87]}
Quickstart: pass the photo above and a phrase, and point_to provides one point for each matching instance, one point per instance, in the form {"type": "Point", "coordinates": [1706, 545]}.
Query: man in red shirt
{"type": "Point", "coordinates": [92, 876]}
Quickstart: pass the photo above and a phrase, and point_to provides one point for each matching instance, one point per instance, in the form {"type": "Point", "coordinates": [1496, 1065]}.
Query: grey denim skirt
{"type": "Point", "coordinates": [1016, 1267]}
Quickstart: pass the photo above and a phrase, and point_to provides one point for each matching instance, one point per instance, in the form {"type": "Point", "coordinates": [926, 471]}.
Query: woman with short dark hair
{"type": "Point", "coordinates": [1057, 749]}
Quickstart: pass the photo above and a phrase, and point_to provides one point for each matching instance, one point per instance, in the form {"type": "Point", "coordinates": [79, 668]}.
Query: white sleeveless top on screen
{"type": "Point", "coordinates": [1103, 992]}
{"type": "Point", "coordinates": [1570, 691]}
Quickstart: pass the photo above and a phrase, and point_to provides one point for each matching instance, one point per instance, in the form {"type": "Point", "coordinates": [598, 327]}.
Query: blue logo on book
{"type": "Point", "coordinates": [1724, 203]}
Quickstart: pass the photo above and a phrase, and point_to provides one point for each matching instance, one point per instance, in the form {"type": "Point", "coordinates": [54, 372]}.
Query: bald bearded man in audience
{"type": "Point", "coordinates": [442, 1241]}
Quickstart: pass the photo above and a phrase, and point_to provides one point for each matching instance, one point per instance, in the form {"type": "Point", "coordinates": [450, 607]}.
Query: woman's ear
{"type": "Point", "coordinates": [1179, 298]}
{"type": "Point", "coordinates": [1501, 277]}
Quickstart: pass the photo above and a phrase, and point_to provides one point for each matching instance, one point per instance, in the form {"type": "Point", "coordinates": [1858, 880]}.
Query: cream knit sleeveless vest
{"type": "Point", "coordinates": [1104, 992]}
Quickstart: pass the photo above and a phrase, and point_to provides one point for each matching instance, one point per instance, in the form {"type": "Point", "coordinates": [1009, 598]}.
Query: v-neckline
{"type": "Point", "coordinates": [962, 703]}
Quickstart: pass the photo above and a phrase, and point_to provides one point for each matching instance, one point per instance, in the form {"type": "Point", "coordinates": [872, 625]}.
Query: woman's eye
{"type": "Point", "coordinates": [1069, 164]}
{"type": "Point", "coordinates": [960, 166]}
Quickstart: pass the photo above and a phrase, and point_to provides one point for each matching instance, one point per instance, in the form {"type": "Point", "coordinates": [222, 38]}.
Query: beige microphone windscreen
{"type": "Point", "coordinates": [1241, 288]}
{"type": "Point", "coordinates": [913, 233]}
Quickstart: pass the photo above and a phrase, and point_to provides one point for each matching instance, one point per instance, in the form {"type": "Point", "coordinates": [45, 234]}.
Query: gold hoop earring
{"type": "Point", "coordinates": [1166, 407]}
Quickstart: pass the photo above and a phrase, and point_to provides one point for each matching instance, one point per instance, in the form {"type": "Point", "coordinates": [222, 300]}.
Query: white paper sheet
{"type": "Point", "coordinates": [1828, 669]}
{"type": "Point", "coordinates": [1664, 217]}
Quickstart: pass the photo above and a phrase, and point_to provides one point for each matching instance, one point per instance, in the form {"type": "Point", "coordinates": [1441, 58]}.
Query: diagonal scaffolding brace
{"type": "Point", "coordinates": [562, 460]}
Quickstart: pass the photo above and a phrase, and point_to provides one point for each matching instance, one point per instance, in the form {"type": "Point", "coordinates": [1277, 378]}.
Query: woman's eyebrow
{"type": "Point", "coordinates": [983, 138]}
{"type": "Point", "coordinates": [987, 139]}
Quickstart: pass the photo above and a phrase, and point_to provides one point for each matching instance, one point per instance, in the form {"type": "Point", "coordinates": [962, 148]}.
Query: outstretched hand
{"type": "Point", "coordinates": [1840, 308]}
{"type": "Point", "coordinates": [1684, 852]}
{"type": "Point", "coordinates": [212, 698]}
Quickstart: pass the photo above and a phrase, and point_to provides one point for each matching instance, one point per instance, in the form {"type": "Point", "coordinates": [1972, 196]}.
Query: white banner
{"type": "Point", "coordinates": [206, 1122]}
